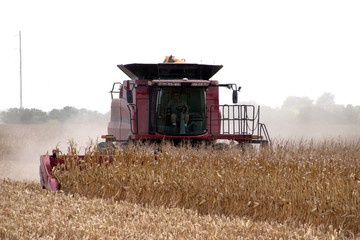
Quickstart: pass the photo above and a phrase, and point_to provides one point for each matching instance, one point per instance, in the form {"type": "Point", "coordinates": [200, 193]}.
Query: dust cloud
{"type": "Point", "coordinates": [280, 130]}
{"type": "Point", "coordinates": [298, 118]}
{"type": "Point", "coordinates": [21, 145]}
{"type": "Point", "coordinates": [305, 118]}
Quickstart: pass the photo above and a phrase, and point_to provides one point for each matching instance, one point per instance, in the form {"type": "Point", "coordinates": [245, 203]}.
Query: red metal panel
{"type": "Point", "coordinates": [48, 180]}
{"type": "Point", "coordinates": [206, 136]}
{"type": "Point", "coordinates": [212, 98]}
{"type": "Point", "coordinates": [142, 105]}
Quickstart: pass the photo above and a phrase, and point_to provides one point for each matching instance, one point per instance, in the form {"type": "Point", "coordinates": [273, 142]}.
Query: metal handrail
{"type": "Point", "coordinates": [234, 119]}
{"type": "Point", "coordinates": [113, 91]}
{"type": "Point", "coordinates": [134, 107]}
{"type": "Point", "coordinates": [238, 120]}
{"type": "Point", "coordinates": [266, 133]}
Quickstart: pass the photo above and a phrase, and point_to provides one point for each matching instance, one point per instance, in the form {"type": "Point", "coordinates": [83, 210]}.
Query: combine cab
{"type": "Point", "coordinates": [175, 101]}
{"type": "Point", "coordinates": [179, 101]}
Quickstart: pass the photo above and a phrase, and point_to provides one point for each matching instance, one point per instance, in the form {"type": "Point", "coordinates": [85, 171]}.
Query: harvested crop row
{"type": "Point", "coordinates": [28, 212]}
{"type": "Point", "coordinates": [317, 183]}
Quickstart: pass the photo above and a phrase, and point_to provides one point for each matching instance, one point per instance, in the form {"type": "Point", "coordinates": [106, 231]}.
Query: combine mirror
{"type": "Point", "coordinates": [235, 96]}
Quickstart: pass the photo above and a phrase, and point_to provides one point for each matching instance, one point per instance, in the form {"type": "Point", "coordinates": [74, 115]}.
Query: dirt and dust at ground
{"type": "Point", "coordinates": [22, 145]}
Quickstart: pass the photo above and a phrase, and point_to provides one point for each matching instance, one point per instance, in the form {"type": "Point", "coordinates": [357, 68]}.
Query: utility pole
{"type": "Point", "coordinates": [21, 104]}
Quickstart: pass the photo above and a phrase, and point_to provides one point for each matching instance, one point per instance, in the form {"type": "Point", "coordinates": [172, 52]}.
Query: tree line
{"type": "Point", "coordinates": [36, 116]}
{"type": "Point", "coordinates": [294, 110]}
{"type": "Point", "coordinates": [323, 110]}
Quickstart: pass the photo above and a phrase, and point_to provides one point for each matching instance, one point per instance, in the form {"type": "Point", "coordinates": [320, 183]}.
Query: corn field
{"type": "Point", "coordinates": [302, 182]}
{"type": "Point", "coordinates": [29, 212]}
{"type": "Point", "coordinates": [296, 189]}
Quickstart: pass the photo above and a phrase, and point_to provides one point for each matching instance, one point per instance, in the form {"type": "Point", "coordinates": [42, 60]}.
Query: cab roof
{"type": "Point", "coordinates": [149, 71]}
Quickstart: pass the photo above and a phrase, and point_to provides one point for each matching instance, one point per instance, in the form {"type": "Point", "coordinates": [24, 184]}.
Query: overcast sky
{"type": "Point", "coordinates": [273, 49]}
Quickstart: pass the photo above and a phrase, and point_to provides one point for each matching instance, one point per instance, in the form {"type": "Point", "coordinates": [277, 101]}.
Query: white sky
{"type": "Point", "coordinates": [273, 49]}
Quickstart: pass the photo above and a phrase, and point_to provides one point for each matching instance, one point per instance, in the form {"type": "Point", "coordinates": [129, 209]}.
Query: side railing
{"type": "Point", "coordinates": [238, 120]}
{"type": "Point", "coordinates": [264, 132]}
{"type": "Point", "coordinates": [133, 118]}
{"type": "Point", "coordinates": [114, 89]}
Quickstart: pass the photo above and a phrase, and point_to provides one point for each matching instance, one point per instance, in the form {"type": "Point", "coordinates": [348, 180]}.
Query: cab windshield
{"type": "Point", "coordinates": [181, 111]}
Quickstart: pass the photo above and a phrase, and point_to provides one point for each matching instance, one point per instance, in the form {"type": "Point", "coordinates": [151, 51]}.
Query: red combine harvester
{"type": "Point", "coordinates": [173, 100]}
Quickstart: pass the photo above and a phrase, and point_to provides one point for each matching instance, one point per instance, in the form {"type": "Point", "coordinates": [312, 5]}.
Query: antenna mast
{"type": "Point", "coordinates": [21, 104]}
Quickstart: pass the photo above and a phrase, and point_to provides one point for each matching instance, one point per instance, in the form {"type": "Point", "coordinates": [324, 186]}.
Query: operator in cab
{"type": "Point", "coordinates": [178, 105]}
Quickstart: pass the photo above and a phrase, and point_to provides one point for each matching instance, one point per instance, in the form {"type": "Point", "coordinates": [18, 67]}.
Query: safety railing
{"type": "Point", "coordinates": [114, 89]}
{"type": "Point", "coordinates": [238, 120]}
{"type": "Point", "coordinates": [264, 132]}
{"type": "Point", "coordinates": [133, 118]}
